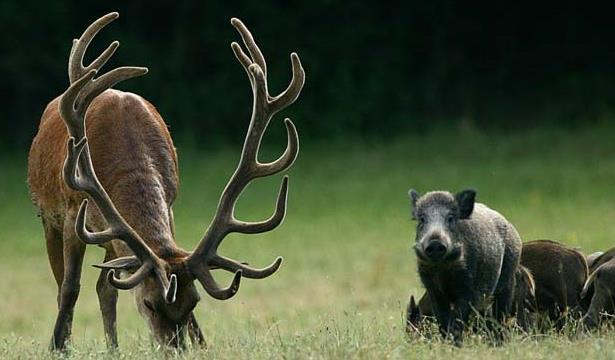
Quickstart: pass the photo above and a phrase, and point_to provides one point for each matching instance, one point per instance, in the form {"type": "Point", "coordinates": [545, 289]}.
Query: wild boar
{"type": "Point", "coordinates": [599, 288]}
{"type": "Point", "coordinates": [559, 274]}
{"type": "Point", "coordinates": [467, 255]}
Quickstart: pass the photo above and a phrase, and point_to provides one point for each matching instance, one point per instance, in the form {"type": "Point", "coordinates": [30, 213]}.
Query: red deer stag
{"type": "Point", "coordinates": [126, 165]}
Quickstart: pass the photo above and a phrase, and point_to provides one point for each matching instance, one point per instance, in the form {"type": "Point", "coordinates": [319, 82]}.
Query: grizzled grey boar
{"type": "Point", "coordinates": [599, 289]}
{"type": "Point", "coordinates": [467, 255]}
{"type": "Point", "coordinates": [523, 303]}
{"type": "Point", "coordinates": [559, 273]}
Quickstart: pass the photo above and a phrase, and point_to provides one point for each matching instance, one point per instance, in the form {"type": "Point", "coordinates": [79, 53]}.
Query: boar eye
{"type": "Point", "coordinates": [450, 218]}
{"type": "Point", "coordinates": [421, 219]}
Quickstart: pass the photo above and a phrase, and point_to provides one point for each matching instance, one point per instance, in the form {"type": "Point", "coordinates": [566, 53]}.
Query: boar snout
{"type": "Point", "coordinates": [435, 249]}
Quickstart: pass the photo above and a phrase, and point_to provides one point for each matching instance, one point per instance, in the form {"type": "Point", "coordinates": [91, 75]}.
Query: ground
{"type": "Point", "coordinates": [348, 269]}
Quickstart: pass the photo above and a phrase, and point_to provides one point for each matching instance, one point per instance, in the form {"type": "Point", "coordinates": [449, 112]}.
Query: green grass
{"type": "Point", "coordinates": [348, 268]}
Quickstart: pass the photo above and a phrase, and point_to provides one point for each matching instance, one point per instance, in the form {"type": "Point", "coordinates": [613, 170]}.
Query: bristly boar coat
{"type": "Point", "coordinates": [524, 303]}
{"type": "Point", "coordinates": [467, 257]}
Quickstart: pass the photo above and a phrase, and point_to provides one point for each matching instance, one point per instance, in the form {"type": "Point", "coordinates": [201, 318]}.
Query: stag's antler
{"type": "Point", "coordinates": [205, 256]}
{"type": "Point", "coordinates": [78, 169]}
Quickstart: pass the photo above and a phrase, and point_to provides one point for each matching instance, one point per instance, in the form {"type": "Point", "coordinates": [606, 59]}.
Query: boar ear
{"type": "Point", "coordinates": [414, 196]}
{"type": "Point", "coordinates": [412, 305]}
{"type": "Point", "coordinates": [414, 315]}
{"type": "Point", "coordinates": [465, 200]}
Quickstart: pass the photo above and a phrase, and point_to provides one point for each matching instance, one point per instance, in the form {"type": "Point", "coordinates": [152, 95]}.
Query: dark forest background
{"type": "Point", "coordinates": [374, 69]}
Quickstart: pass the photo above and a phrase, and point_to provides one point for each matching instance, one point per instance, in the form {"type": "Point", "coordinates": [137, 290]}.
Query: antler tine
{"type": "Point", "coordinates": [78, 170]}
{"type": "Point", "coordinates": [86, 236]}
{"type": "Point", "coordinates": [265, 106]}
{"type": "Point", "coordinates": [244, 60]}
{"type": "Point", "coordinates": [107, 81]}
{"type": "Point", "coordinates": [205, 257]}
{"type": "Point", "coordinates": [75, 61]}
{"type": "Point", "coordinates": [76, 70]}
{"type": "Point", "coordinates": [72, 118]}
{"type": "Point", "coordinates": [288, 96]}
{"type": "Point", "coordinates": [248, 40]}
{"type": "Point", "coordinates": [266, 225]}
{"type": "Point", "coordinates": [203, 275]}
{"type": "Point", "coordinates": [287, 158]}
{"type": "Point", "coordinates": [247, 271]}
{"type": "Point", "coordinates": [132, 281]}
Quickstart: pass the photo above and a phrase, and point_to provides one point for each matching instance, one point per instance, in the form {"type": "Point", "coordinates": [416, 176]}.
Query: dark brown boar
{"type": "Point", "coordinates": [597, 293]}
{"type": "Point", "coordinates": [559, 274]}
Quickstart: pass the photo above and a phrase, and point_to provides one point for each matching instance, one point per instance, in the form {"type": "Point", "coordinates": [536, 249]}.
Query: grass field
{"type": "Point", "coordinates": [348, 268]}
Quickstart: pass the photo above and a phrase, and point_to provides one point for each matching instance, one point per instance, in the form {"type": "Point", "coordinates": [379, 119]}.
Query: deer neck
{"type": "Point", "coordinates": [143, 200]}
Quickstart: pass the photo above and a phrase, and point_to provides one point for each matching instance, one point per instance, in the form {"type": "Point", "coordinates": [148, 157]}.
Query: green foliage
{"type": "Point", "coordinates": [373, 68]}
{"type": "Point", "coordinates": [348, 268]}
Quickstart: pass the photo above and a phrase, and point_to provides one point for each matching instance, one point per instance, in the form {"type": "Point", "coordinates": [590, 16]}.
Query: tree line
{"type": "Point", "coordinates": [373, 68]}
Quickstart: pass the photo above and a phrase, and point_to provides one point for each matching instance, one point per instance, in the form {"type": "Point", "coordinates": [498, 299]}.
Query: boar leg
{"type": "Point", "coordinates": [442, 309]}
{"type": "Point", "coordinates": [460, 319]}
{"type": "Point", "coordinates": [502, 308]}
{"type": "Point", "coordinates": [503, 301]}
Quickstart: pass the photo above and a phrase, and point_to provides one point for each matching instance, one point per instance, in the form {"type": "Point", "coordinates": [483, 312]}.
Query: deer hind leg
{"type": "Point", "coordinates": [107, 300]}
{"type": "Point", "coordinates": [73, 250]}
{"type": "Point", "coordinates": [55, 253]}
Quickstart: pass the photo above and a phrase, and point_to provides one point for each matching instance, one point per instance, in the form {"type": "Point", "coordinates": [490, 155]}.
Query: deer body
{"type": "Point", "coordinates": [122, 160]}
{"type": "Point", "coordinates": [134, 158]}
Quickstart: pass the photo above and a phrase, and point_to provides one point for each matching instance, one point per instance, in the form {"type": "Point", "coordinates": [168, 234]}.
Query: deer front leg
{"type": "Point", "coordinates": [73, 251]}
{"type": "Point", "coordinates": [107, 300]}
{"type": "Point", "coordinates": [195, 333]}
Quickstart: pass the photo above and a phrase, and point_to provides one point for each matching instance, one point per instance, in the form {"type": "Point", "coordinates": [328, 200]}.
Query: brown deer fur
{"type": "Point", "coordinates": [134, 158]}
